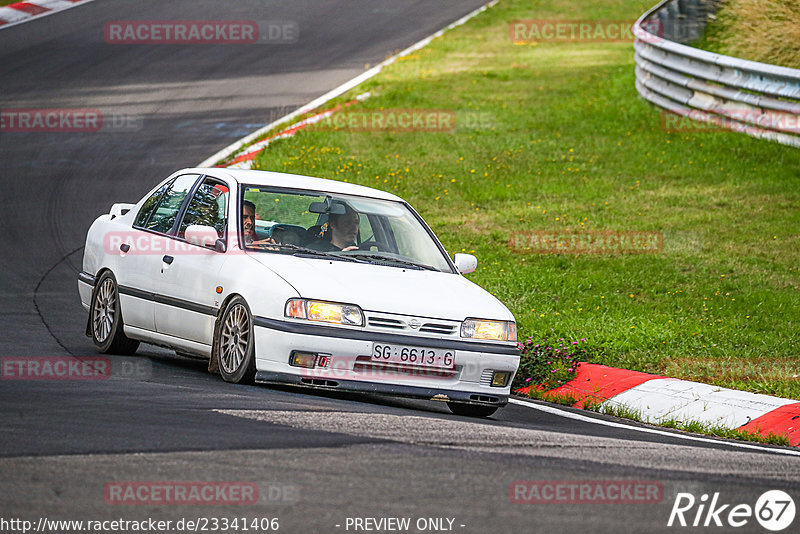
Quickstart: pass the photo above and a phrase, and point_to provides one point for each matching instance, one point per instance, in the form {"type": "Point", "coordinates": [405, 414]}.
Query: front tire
{"type": "Point", "coordinates": [105, 319]}
{"type": "Point", "coordinates": [471, 410]}
{"type": "Point", "coordinates": [235, 345]}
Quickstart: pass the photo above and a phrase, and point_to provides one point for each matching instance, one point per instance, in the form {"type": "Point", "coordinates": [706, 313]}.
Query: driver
{"type": "Point", "coordinates": [343, 229]}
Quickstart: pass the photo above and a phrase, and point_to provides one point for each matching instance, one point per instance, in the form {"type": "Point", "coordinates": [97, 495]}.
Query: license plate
{"type": "Point", "coordinates": [417, 356]}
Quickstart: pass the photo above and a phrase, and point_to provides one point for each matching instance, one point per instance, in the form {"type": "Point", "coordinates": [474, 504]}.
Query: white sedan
{"type": "Point", "coordinates": [286, 279]}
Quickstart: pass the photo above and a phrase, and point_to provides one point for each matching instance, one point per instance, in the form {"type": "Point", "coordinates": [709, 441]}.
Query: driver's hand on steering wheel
{"type": "Point", "coordinates": [267, 241]}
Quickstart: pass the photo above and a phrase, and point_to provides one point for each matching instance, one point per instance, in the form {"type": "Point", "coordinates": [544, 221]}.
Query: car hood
{"type": "Point", "coordinates": [386, 289]}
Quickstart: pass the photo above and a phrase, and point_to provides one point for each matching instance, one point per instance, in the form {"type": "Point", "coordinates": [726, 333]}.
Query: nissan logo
{"type": "Point", "coordinates": [413, 323]}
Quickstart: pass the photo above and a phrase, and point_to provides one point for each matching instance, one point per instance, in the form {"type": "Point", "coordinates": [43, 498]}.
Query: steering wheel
{"type": "Point", "coordinates": [382, 246]}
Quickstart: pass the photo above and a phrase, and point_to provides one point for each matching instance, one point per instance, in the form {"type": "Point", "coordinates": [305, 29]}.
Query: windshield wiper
{"type": "Point", "coordinates": [296, 249]}
{"type": "Point", "coordinates": [381, 257]}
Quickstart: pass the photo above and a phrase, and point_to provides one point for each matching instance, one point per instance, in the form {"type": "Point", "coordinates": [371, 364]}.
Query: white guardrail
{"type": "Point", "coordinates": [746, 96]}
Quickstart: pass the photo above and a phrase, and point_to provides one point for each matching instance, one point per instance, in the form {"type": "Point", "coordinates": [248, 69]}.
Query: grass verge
{"type": "Point", "coordinates": [759, 30]}
{"type": "Point", "coordinates": [552, 137]}
{"type": "Point", "coordinates": [694, 427]}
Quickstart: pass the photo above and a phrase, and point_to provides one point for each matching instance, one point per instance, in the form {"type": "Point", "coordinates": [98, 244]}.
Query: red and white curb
{"type": "Point", "coordinates": [658, 399]}
{"type": "Point", "coordinates": [245, 160]}
{"type": "Point", "coordinates": [20, 12]}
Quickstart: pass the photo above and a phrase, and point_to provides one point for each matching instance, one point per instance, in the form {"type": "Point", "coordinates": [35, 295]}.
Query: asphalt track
{"type": "Point", "coordinates": [163, 417]}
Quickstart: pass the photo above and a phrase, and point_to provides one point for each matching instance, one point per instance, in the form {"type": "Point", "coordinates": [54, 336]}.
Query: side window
{"type": "Point", "coordinates": [281, 216]}
{"type": "Point", "coordinates": [285, 208]}
{"type": "Point", "coordinates": [150, 204]}
{"type": "Point", "coordinates": [208, 207]}
{"type": "Point", "coordinates": [365, 230]}
{"type": "Point", "coordinates": [165, 214]}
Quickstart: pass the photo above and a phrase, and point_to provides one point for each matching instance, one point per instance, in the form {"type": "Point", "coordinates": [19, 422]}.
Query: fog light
{"type": "Point", "coordinates": [303, 359]}
{"type": "Point", "coordinates": [500, 379]}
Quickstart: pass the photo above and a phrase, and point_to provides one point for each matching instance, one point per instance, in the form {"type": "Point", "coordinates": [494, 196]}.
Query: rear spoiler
{"type": "Point", "coordinates": [118, 210]}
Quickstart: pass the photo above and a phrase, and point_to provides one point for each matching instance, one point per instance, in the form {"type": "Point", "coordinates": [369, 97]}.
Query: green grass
{"type": "Point", "coordinates": [625, 412]}
{"type": "Point", "coordinates": [759, 30]}
{"type": "Point", "coordinates": [572, 146]}
{"type": "Point", "coordinates": [695, 427]}
{"type": "Point", "coordinates": [565, 399]}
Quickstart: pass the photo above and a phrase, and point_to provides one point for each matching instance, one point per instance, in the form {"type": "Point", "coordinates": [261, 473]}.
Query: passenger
{"type": "Point", "coordinates": [249, 226]}
{"type": "Point", "coordinates": [248, 222]}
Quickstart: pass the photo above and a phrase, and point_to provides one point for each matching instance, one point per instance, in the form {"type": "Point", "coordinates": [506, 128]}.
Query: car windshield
{"type": "Point", "coordinates": [331, 225]}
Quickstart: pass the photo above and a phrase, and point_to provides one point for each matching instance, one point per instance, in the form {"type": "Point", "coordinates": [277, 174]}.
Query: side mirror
{"type": "Point", "coordinates": [204, 236]}
{"type": "Point", "coordinates": [465, 263]}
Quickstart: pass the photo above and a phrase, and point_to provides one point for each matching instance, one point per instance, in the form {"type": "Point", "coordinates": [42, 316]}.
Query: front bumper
{"type": "Point", "coordinates": [395, 390]}
{"type": "Point", "coordinates": [350, 368]}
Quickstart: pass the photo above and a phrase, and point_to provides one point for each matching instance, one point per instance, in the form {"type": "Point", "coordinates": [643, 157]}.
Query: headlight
{"type": "Point", "coordinates": [325, 312]}
{"type": "Point", "coordinates": [487, 329]}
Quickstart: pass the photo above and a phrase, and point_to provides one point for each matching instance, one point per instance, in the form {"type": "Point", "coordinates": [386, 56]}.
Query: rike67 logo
{"type": "Point", "coordinates": [774, 510]}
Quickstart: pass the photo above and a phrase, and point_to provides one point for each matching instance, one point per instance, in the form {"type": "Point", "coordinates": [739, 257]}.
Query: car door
{"type": "Point", "coordinates": [187, 281]}
{"type": "Point", "coordinates": [140, 252]}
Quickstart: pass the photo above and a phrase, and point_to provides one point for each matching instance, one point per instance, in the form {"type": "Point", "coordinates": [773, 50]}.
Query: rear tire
{"type": "Point", "coordinates": [105, 319]}
{"type": "Point", "coordinates": [471, 410]}
{"type": "Point", "coordinates": [235, 345]}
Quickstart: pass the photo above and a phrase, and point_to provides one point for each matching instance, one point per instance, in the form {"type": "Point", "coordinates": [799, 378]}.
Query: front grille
{"type": "Point", "coordinates": [484, 398]}
{"type": "Point", "coordinates": [437, 328]}
{"type": "Point", "coordinates": [386, 322]}
{"type": "Point", "coordinates": [441, 327]}
{"type": "Point", "coordinates": [319, 382]}
{"type": "Point", "coordinates": [486, 377]}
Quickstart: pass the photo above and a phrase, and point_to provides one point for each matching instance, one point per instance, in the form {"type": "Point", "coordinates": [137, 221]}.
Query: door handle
{"type": "Point", "coordinates": [168, 260]}
{"type": "Point", "coordinates": [124, 247]}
